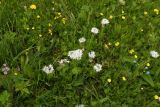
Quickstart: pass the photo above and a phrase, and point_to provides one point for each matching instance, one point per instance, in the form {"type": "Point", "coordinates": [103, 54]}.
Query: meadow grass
{"type": "Point", "coordinates": [36, 34]}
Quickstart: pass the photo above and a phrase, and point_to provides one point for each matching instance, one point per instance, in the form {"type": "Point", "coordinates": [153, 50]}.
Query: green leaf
{"type": "Point", "coordinates": [148, 79]}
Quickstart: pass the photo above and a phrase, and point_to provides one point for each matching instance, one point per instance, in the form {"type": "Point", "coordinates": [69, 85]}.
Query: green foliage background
{"type": "Point", "coordinates": [77, 83]}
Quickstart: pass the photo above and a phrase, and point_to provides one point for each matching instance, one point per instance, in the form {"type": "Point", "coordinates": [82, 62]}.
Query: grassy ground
{"type": "Point", "coordinates": [35, 33]}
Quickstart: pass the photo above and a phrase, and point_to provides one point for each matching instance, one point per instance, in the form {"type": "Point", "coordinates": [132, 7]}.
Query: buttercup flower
{"type": "Point", "coordinates": [124, 78]}
{"type": "Point", "coordinates": [95, 30]}
{"type": "Point", "coordinates": [156, 11]}
{"type": "Point", "coordinates": [154, 54]}
{"type": "Point", "coordinates": [109, 80]}
{"type": "Point", "coordinates": [97, 67]}
{"type": "Point", "coordinates": [92, 54]}
{"type": "Point", "coordinates": [156, 97]}
{"type": "Point", "coordinates": [75, 54]}
{"type": "Point", "coordinates": [48, 69]}
{"type": "Point", "coordinates": [145, 13]}
{"type": "Point", "coordinates": [104, 21]}
{"type": "Point", "coordinates": [33, 6]}
{"type": "Point", "coordinates": [82, 40]}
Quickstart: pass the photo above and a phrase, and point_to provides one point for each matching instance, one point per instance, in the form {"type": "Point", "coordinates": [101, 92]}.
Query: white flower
{"type": "Point", "coordinates": [92, 54]}
{"type": "Point", "coordinates": [82, 40]}
{"type": "Point", "coordinates": [97, 67]}
{"type": "Point", "coordinates": [75, 54]}
{"type": "Point", "coordinates": [48, 69]}
{"type": "Point", "coordinates": [80, 105]}
{"type": "Point", "coordinates": [95, 30]}
{"type": "Point", "coordinates": [154, 54]}
{"type": "Point", "coordinates": [62, 61]}
{"type": "Point", "coordinates": [105, 21]}
{"type": "Point", "coordinates": [5, 69]}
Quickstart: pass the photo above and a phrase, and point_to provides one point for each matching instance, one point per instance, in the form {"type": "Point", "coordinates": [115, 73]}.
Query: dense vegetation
{"type": "Point", "coordinates": [67, 53]}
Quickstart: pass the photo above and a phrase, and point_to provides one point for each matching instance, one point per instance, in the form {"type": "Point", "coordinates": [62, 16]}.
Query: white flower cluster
{"type": "Point", "coordinates": [97, 67]}
{"type": "Point", "coordinates": [92, 54]}
{"type": "Point", "coordinates": [48, 69]}
{"type": "Point", "coordinates": [75, 54]}
{"type": "Point", "coordinates": [82, 40]}
{"type": "Point", "coordinates": [154, 54]}
{"type": "Point", "coordinates": [5, 69]}
{"type": "Point", "coordinates": [62, 61]}
{"type": "Point", "coordinates": [104, 21]}
{"type": "Point", "coordinates": [95, 30]}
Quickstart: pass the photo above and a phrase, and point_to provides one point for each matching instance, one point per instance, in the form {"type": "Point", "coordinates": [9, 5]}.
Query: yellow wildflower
{"type": "Point", "coordinates": [15, 73]}
{"type": "Point", "coordinates": [148, 64]}
{"type": "Point", "coordinates": [135, 56]}
{"type": "Point", "coordinates": [33, 28]}
{"type": "Point", "coordinates": [63, 20]}
{"type": "Point", "coordinates": [38, 16]}
{"type": "Point", "coordinates": [110, 17]}
{"type": "Point", "coordinates": [101, 14]}
{"type": "Point", "coordinates": [145, 13]}
{"type": "Point", "coordinates": [49, 24]}
{"type": "Point", "coordinates": [109, 80]}
{"type": "Point", "coordinates": [123, 17]}
{"type": "Point", "coordinates": [40, 35]}
{"type": "Point", "coordinates": [124, 78]}
{"type": "Point", "coordinates": [156, 97]}
{"type": "Point", "coordinates": [131, 51]}
{"type": "Point", "coordinates": [33, 6]}
{"type": "Point", "coordinates": [117, 44]}
{"type": "Point", "coordinates": [156, 11]}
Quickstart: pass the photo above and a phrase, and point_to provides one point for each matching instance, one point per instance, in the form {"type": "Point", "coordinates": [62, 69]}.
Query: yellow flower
{"type": "Point", "coordinates": [63, 20]}
{"type": "Point", "coordinates": [156, 11]}
{"type": "Point", "coordinates": [135, 56]}
{"type": "Point", "coordinates": [123, 17]}
{"type": "Point", "coordinates": [145, 13]}
{"type": "Point", "coordinates": [101, 14]}
{"type": "Point", "coordinates": [156, 97]}
{"type": "Point", "coordinates": [148, 64]}
{"type": "Point", "coordinates": [109, 43]}
{"type": "Point", "coordinates": [106, 46]}
{"type": "Point", "coordinates": [40, 35]}
{"type": "Point", "coordinates": [124, 78]}
{"type": "Point", "coordinates": [33, 6]}
{"type": "Point", "coordinates": [141, 30]}
{"type": "Point", "coordinates": [49, 24]}
{"type": "Point", "coordinates": [117, 44]}
{"type": "Point", "coordinates": [15, 73]}
{"type": "Point", "coordinates": [33, 28]}
{"type": "Point", "coordinates": [38, 16]}
{"type": "Point", "coordinates": [122, 11]}
{"type": "Point", "coordinates": [27, 28]}
{"type": "Point", "coordinates": [131, 51]}
{"type": "Point", "coordinates": [110, 17]}
{"type": "Point", "coordinates": [109, 80]}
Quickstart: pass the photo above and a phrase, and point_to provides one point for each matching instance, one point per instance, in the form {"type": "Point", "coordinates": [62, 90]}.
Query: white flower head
{"type": "Point", "coordinates": [82, 40]}
{"type": "Point", "coordinates": [95, 30]}
{"type": "Point", "coordinates": [80, 105]}
{"type": "Point", "coordinates": [75, 54]}
{"type": "Point", "coordinates": [5, 69]}
{"type": "Point", "coordinates": [48, 69]}
{"type": "Point", "coordinates": [154, 54]}
{"type": "Point", "coordinates": [62, 61]}
{"type": "Point", "coordinates": [97, 67]}
{"type": "Point", "coordinates": [104, 21]}
{"type": "Point", "coordinates": [92, 54]}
